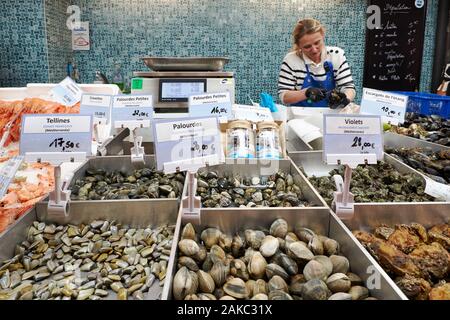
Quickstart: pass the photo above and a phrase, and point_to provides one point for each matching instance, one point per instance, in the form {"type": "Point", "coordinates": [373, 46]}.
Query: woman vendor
{"type": "Point", "coordinates": [312, 74]}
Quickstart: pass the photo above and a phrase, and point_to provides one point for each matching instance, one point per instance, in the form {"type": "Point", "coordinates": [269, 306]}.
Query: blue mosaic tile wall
{"type": "Point", "coordinates": [255, 34]}
{"type": "Point", "coordinates": [59, 39]}
{"type": "Point", "coordinates": [23, 47]}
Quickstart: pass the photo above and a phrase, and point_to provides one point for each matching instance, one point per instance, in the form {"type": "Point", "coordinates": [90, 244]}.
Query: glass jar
{"type": "Point", "coordinates": [268, 141]}
{"type": "Point", "coordinates": [240, 140]}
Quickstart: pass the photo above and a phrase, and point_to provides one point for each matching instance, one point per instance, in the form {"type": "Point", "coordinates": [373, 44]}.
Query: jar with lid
{"type": "Point", "coordinates": [240, 140]}
{"type": "Point", "coordinates": [268, 141]}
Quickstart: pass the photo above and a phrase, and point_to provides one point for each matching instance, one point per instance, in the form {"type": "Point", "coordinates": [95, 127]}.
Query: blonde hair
{"type": "Point", "coordinates": [303, 27]}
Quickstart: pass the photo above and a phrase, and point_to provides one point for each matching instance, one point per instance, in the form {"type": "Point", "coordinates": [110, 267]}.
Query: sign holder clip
{"type": "Point", "coordinates": [59, 198]}
{"type": "Point", "coordinates": [191, 203]}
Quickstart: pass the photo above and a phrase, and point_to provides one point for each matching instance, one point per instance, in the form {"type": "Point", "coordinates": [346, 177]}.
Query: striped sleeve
{"type": "Point", "coordinates": [343, 76]}
{"type": "Point", "coordinates": [286, 80]}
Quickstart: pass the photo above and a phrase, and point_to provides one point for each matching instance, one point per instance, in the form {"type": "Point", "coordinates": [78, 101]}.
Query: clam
{"type": "Point", "coordinates": [359, 292]}
{"type": "Point", "coordinates": [340, 264]}
{"type": "Point", "coordinates": [205, 282]}
{"type": "Point", "coordinates": [225, 242]}
{"type": "Point", "coordinates": [260, 286]}
{"type": "Point", "coordinates": [188, 247]}
{"type": "Point", "coordinates": [269, 246]}
{"type": "Point", "coordinates": [188, 232]}
{"type": "Point", "coordinates": [304, 234]}
{"type": "Point", "coordinates": [210, 237]}
{"type": "Point", "coordinates": [296, 285]}
{"type": "Point", "coordinates": [200, 256]}
{"type": "Point", "coordinates": [237, 246]}
{"type": "Point", "coordinates": [184, 283]}
{"type": "Point", "coordinates": [355, 279]}
{"type": "Point", "coordinates": [236, 288]}
{"type": "Point", "coordinates": [219, 293]}
{"type": "Point", "coordinates": [340, 296]}
{"type": "Point", "coordinates": [326, 262]}
{"type": "Point", "coordinates": [299, 252]}
{"type": "Point", "coordinates": [219, 273]}
{"type": "Point", "coordinates": [338, 282]}
{"type": "Point", "coordinates": [250, 285]}
{"type": "Point", "coordinates": [188, 263]}
{"type": "Point", "coordinates": [290, 237]}
{"type": "Point", "coordinates": [315, 289]}
{"type": "Point", "coordinates": [254, 238]}
{"type": "Point", "coordinates": [315, 245]}
{"type": "Point", "coordinates": [314, 270]}
{"type": "Point", "coordinates": [287, 263]}
{"type": "Point", "coordinates": [227, 298]}
{"type": "Point", "coordinates": [273, 269]}
{"type": "Point", "coordinates": [279, 228]}
{"type": "Point", "coordinates": [239, 269]}
{"type": "Point", "coordinates": [279, 295]}
{"type": "Point", "coordinates": [260, 296]}
{"type": "Point", "coordinates": [257, 266]}
{"type": "Point", "coordinates": [330, 246]}
{"type": "Point", "coordinates": [277, 283]}
{"type": "Point", "coordinates": [217, 253]}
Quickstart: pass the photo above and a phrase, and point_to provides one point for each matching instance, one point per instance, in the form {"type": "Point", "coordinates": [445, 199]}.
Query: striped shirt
{"type": "Point", "coordinates": [293, 70]}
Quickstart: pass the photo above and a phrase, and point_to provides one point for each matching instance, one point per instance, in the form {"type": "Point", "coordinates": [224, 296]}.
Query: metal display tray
{"type": "Point", "coordinates": [322, 221]}
{"type": "Point", "coordinates": [245, 168]}
{"type": "Point", "coordinates": [312, 163]}
{"type": "Point", "coordinates": [119, 163]}
{"type": "Point", "coordinates": [185, 63]}
{"type": "Point", "coordinates": [135, 215]}
{"type": "Point", "coordinates": [396, 140]}
{"type": "Point", "coordinates": [367, 219]}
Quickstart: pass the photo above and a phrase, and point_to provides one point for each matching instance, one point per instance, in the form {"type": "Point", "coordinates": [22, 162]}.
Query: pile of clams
{"type": "Point", "coordinates": [263, 265]}
{"type": "Point", "coordinates": [226, 191]}
{"type": "Point", "coordinates": [141, 184]}
{"type": "Point", "coordinates": [100, 260]}
{"type": "Point", "coordinates": [430, 128]}
{"type": "Point", "coordinates": [376, 183]}
{"type": "Point", "coordinates": [435, 165]}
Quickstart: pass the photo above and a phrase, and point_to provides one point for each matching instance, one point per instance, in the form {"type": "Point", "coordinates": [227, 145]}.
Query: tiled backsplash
{"type": "Point", "coordinates": [255, 34]}
{"type": "Point", "coordinates": [23, 48]}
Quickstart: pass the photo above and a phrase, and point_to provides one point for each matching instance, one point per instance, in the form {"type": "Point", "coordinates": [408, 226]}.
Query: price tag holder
{"type": "Point", "coordinates": [67, 92]}
{"type": "Point", "coordinates": [352, 139]}
{"type": "Point", "coordinates": [438, 190]}
{"type": "Point", "coordinates": [58, 133]}
{"type": "Point", "coordinates": [132, 111]}
{"type": "Point", "coordinates": [98, 106]}
{"type": "Point", "coordinates": [7, 173]}
{"type": "Point", "coordinates": [390, 106]}
{"type": "Point", "coordinates": [211, 104]}
{"type": "Point", "coordinates": [251, 113]}
{"type": "Point", "coordinates": [187, 144]}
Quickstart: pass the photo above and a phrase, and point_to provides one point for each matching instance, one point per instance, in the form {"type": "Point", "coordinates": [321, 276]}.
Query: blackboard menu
{"type": "Point", "coordinates": [393, 54]}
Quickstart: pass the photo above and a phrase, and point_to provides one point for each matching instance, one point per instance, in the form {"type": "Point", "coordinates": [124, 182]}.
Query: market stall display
{"type": "Point", "coordinates": [429, 128]}
{"type": "Point", "coordinates": [276, 256]}
{"type": "Point", "coordinates": [109, 252]}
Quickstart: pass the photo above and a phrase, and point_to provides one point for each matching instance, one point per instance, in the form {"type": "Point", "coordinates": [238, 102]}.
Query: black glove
{"type": "Point", "coordinates": [315, 94]}
{"type": "Point", "coordinates": [337, 100]}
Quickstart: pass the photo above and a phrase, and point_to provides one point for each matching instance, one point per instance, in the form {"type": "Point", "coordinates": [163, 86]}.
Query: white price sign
{"type": "Point", "coordinates": [67, 92]}
{"type": "Point", "coordinates": [97, 105]}
{"type": "Point", "coordinates": [186, 144]}
{"type": "Point", "coordinates": [352, 135]}
{"type": "Point", "coordinates": [251, 113]}
{"type": "Point", "coordinates": [211, 104]}
{"type": "Point", "coordinates": [390, 106]}
{"type": "Point", "coordinates": [438, 190]}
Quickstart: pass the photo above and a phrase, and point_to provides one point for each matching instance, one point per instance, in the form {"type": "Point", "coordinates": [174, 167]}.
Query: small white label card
{"type": "Point", "coordinates": [97, 105]}
{"type": "Point", "coordinates": [438, 190]}
{"type": "Point", "coordinates": [352, 135]}
{"type": "Point", "coordinates": [56, 133]}
{"type": "Point", "coordinates": [187, 143]}
{"type": "Point", "coordinates": [390, 106]}
{"type": "Point", "coordinates": [80, 36]}
{"type": "Point", "coordinates": [251, 113]}
{"type": "Point", "coordinates": [67, 92]}
{"type": "Point", "coordinates": [136, 109]}
{"type": "Point", "coordinates": [211, 104]}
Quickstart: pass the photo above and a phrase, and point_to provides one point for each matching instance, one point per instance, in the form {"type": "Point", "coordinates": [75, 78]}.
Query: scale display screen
{"type": "Point", "coordinates": [179, 90]}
